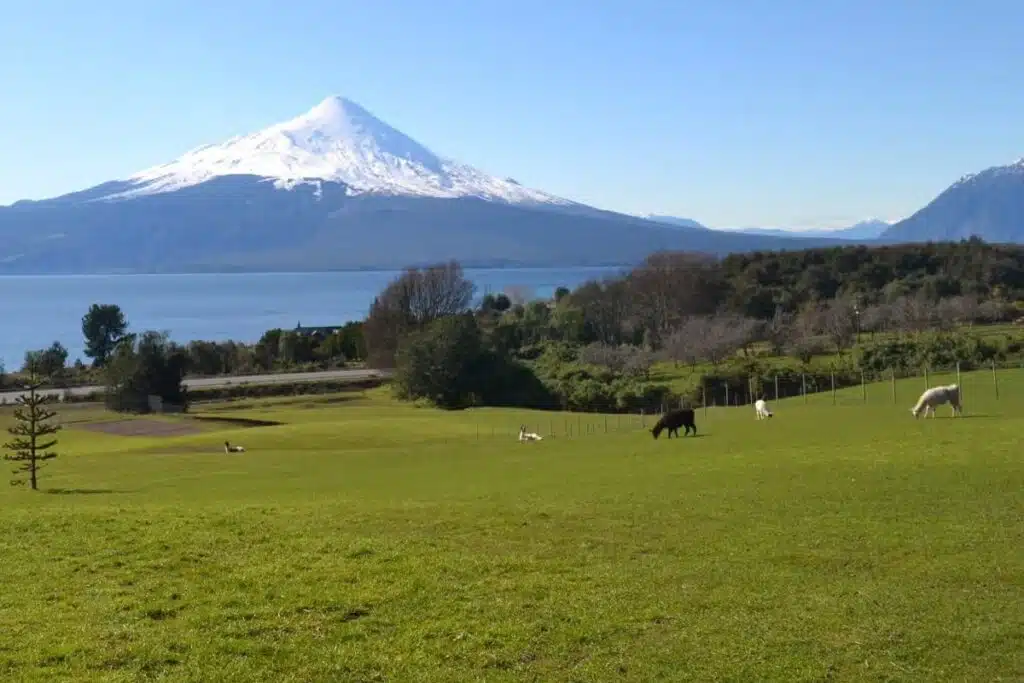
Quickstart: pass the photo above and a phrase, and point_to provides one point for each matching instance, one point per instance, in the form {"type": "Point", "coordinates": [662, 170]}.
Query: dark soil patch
{"type": "Point", "coordinates": [142, 427]}
{"type": "Point", "coordinates": [191, 449]}
{"type": "Point", "coordinates": [237, 421]}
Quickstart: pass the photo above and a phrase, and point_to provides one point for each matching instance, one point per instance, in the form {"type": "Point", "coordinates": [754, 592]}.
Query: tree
{"type": "Point", "coordinates": [442, 363]}
{"type": "Point", "coordinates": [144, 366]}
{"type": "Point", "coordinates": [669, 286]}
{"type": "Point", "coordinates": [50, 363]}
{"type": "Point", "coordinates": [839, 323]}
{"type": "Point", "coordinates": [411, 302]}
{"type": "Point", "coordinates": [777, 330]}
{"type": "Point", "coordinates": [495, 303]}
{"type": "Point", "coordinates": [707, 338]}
{"type": "Point", "coordinates": [103, 327]}
{"type": "Point", "coordinates": [32, 434]}
{"type": "Point", "coordinates": [875, 318]}
{"type": "Point", "coordinates": [268, 348]}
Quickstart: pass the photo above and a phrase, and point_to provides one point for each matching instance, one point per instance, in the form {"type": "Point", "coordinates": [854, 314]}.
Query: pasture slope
{"type": "Point", "coordinates": [363, 540]}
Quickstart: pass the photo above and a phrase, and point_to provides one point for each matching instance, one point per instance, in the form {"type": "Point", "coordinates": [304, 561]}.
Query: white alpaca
{"type": "Point", "coordinates": [936, 396]}
{"type": "Point", "coordinates": [228, 448]}
{"type": "Point", "coordinates": [528, 436]}
{"type": "Point", "coordinates": [761, 409]}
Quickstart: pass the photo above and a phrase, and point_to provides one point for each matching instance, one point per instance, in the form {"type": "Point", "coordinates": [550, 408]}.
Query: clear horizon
{"type": "Point", "coordinates": [735, 115]}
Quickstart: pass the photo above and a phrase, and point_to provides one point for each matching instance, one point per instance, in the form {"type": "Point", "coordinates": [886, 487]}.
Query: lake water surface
{"type": "Point", "coordinates": [35, 311]}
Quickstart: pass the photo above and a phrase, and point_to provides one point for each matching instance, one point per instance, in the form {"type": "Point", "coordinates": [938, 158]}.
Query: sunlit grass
{"type": "Point", "coordinates": [365, 540]}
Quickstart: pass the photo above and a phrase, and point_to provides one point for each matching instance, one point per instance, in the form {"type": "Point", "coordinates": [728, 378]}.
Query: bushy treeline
{"type": "Point", "coordinates": [150, 365]}
{"type": "Point", "coordinates": [105, 327]}
{"type": "Point", "coordinates": [594, 348]}
{"type": "Point", "coordinates": [759, 282]}
{"type": "Point", "coordinates": [134, 367]}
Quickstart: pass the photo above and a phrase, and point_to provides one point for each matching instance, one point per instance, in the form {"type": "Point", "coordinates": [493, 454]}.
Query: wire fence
{"type": "Point", "coordinates": [844, 387]}
{"type": "Point", "coordinates": [895, 387]}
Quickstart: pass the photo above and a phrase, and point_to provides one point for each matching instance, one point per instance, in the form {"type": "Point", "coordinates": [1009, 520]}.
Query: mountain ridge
{"type": "Point", "coordinates": [863, 230]}
{"type": "Point", "coordinates": [988, 204]}
{"type": "Point", "coordinates": [336, 188]}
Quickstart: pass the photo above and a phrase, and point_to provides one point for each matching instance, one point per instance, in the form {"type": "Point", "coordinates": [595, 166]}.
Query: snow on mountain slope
{"type": "Point", "coordinates": [337, 140]}
{"type": "Point", "coordinates": [1014, 169]}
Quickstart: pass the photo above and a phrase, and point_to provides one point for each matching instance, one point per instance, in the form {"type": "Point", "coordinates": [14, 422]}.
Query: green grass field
{"type": "Point", "coordinates": [362, 540]}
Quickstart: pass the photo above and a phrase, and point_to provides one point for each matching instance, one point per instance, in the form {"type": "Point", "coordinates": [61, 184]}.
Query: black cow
{"type": "Point", "coordinates": [673, 420]}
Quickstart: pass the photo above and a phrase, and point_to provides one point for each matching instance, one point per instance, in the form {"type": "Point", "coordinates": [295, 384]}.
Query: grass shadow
{"type": "Point", "coordinates": [237, 421]}
{"type": "Point", "coordinates": [79, 492]}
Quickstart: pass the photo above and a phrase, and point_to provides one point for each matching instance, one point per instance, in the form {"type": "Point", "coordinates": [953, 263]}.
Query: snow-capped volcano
{"type": "Point", "coordinates": [335, 188]}
{"type": "Point", "coordinates": [337, 141]}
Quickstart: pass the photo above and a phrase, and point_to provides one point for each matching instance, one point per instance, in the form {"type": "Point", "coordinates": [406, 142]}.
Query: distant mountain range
{"type": "Point", "coordinates": [333, 188]}
{"type": "Point", "coordinates": [337, 188]}
{"type": "Point", "coordinates": [989, 205]}
{"type": "Point", "coordinates": [863, 231]}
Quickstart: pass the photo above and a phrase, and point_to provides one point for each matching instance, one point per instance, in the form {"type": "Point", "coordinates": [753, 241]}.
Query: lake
{"type": "Point", "coordinates": [37, 310]}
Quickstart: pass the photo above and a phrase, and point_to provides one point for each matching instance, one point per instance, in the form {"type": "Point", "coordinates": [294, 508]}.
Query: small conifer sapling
{"type": "Point", "coordinates": [32, 435]}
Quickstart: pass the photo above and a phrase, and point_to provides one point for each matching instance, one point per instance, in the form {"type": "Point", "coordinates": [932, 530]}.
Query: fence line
{"type": "Point", "coordinates": [582, 424]}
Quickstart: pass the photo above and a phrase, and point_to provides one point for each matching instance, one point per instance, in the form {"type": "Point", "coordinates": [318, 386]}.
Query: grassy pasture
{"type": "Point", "coordinates": [360, 540]}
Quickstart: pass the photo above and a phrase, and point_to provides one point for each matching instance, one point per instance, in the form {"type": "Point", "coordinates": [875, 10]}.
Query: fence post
{"type": "Point", "coordinates": [863, 387]}
{"type": "Point", "coordinates": [803, 384]}
{"type": "Point", "coordinates": [995, 379]}
{"type": "Point", "coordinates": [926, 382]}
{"type": "Point", "coordinates": [726, 394]}
{"type": "Point", "coordinates": [959, 383]}
{"type": "Point", "coordinates": [704, 397]}
{"type": "Point", "coordinates": [892, 381]}
{"type": "Point", "coordinates": [776, 387]}
{"type": "Point", "coordinates": [832, 375]}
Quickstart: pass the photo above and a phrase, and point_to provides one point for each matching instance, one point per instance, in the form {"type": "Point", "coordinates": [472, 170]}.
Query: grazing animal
{"type": "Point", "coordinates": [762, 409]}
{"type": "Point", "coordinates": [228, 448]}
{"type": "Point", "coordinates": [528, 436]}
{"type": "Point", "coordinates": [673, 420]}
{"type": "Point", "coordinates": [936, 396]}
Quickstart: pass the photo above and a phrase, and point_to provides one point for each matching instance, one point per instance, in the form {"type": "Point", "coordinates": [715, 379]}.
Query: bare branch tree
{"type": "Point", "coordinates": [412, 301]}
{"type": "Point", "coordinates": [708, 338]}
{"type": "Point", "coordinates": [839, 324]}
{"type": "Point", "coordinates": [670, 286]}
{"type": "Point", "coordinates": [911, 314]}
{"type": "Point", "coordinates": [876, 318]}
{"type": "Point", "coordinates": [604, 355]}
{"type": "Point", "coordinates": [778, 330]}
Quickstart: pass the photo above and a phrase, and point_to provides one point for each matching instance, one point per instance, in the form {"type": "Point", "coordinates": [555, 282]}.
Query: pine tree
{"type": "Point", "coordinates": [32, 433]}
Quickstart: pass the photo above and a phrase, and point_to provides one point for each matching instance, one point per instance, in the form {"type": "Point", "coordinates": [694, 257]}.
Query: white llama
{"type": "Point", "coordinates": [936, 396]}
{"type": "Point", "coordinates": [528, 436]}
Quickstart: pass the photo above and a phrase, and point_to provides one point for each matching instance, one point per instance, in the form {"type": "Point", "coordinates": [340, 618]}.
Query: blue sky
{"type": "Point", "coordinates": [786, 113]}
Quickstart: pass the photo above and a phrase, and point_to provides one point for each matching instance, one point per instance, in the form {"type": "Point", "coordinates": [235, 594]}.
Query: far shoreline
{"type": "Point", "coordinates": [319, 271]}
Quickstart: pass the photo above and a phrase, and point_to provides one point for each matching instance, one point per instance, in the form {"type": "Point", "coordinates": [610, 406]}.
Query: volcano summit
{"type": "Point", "coordinates": [333, 188]}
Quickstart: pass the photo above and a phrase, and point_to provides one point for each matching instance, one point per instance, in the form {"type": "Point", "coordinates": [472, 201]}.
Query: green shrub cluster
{"type": "Point", "coordinates": [578, 386]}
{"type": "Point", "coordinates": [934, 350]}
